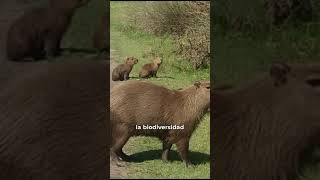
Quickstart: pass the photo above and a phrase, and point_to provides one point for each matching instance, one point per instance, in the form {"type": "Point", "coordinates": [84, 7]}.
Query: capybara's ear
{"type": "Point", "coordinates": [279, 72]}
{"type": "Point", "coordinates": [126, 59]}
{"type": "Point", "coordinates": [197, 84]}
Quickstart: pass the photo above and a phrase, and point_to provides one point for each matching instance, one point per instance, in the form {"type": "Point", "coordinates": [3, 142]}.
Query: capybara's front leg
{"type": "Point", "coordinates": [183, 146]}
{"type": "Point", "coordinates": [126, 76]}
{"type": "Point", "coordinates": [155, 74]}
{"type": "Point", "coordinates": [120, 138]}
{"type": "Point", "coordinates": [52, 45]}
{"type": "Point", "coordinates": [166, 146]}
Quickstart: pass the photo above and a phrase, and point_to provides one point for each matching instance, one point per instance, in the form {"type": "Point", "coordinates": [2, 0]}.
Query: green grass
{"type": "Point", "coordinates": [240, 56]}
{"type": "Point", "coordinates": [84, 25]}
{"type": "Point", "coordinates": [174, 73]}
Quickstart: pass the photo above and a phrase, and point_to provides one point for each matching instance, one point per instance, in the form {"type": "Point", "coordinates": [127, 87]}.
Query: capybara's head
{"type": "Point", "coordinates": [157, 61]}
{"type": "Point", "coordinates": [299, 88]}
{"type": "Point", "coordinates": [202, 89]}
{"type": "Point", "coordinates": [69, 4]}
{"type": "Point", "coordinates": [131, 60]}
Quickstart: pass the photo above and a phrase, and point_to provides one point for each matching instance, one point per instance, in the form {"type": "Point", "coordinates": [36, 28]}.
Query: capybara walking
{"type": "Point", "coordinates": [38, 33]}
{"type": "Point", "coordinates": [53, 123]}
{"type": "Point", "coordinates": [101, 35]}
{"type": "Point", "coordinates": [265, 129]}
{"type": "Point", "coordinates": [122, 71]}
{"type": "Point", "coordinates": [143, 103]}
{"type": "Point", "coordinates": [151, 69]}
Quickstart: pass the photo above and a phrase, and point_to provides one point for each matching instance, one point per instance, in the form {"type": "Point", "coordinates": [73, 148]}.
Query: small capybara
{"type": "Point", "coordinates": [137, 103]}
{"type": "Point", "coordinates": [265, 129]}
{"type": "Point", "coordinates": [53, 123]}
{"type": "Point", "coordinates": [38, 33]}
{"type": "Point", "coordinates": [151, 69]}
{"type": "Point", "coordinates": [122, 71]}
{"type": "Point", "coordinates": [101, 35]}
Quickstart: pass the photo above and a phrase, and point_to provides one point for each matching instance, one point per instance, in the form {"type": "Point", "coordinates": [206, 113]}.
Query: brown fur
{"type": "Point", "coordinates": [53, 123]}
{"type": "Point", "coordinates": [101, 36]}
{"type": "Point", "coordinates": [264, 129]}
{"type": "Point", "coordinates": [151, 69]}
{"type": "Point", "coordinates": [38, 33]}
{"type": "Point", "coordinates": [122, 71]}
{"type": "Point", "coordinates": [142, 103]}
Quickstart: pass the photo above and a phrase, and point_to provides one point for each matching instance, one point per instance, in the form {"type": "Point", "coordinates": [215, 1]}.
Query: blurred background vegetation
{"type": "Point", "coordinates": [249, 35]}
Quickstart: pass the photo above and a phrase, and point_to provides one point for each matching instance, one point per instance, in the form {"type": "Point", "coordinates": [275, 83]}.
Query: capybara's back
{"type": "Point", "coordinates": [52, 122]}
{"type": "Point", "coordinates": [135, 102]}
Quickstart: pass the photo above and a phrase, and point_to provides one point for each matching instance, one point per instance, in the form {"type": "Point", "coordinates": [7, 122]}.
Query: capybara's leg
{"type": "Point", "coordinates": [183, 146]}
{"type": "Point", "coordinates": [121, 77]}
{"type": "Point", "coordinates": [52, 44]}
{"type": "Point", "coordinates": [120, 138]}
{"type": "Point", "coordinates": [166, 146]}
{"type": "Point", "coordinates": [126, 76]}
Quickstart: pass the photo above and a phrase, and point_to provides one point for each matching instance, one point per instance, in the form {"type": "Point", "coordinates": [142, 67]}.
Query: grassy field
{"type": "Point", "coordinates": [174, 73]}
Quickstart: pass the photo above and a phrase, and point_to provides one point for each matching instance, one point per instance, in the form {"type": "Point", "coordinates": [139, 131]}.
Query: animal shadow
{"type": "Point", "coordinates": [195, 157]}
{"type": "Point", "coordinates": [159, 77]}
{"type": "Point", "coordinates": [80, 50]}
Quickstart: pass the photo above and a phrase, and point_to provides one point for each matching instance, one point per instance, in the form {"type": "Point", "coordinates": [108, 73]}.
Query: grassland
{"type": "Point", "coordinates": [174, 73]}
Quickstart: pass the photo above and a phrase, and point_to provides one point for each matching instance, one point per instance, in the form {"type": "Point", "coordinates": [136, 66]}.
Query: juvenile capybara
{"type": "Point", "coordinates": [122, 71]}
{"type": "Point", "coordinates": [101, 35]}
{"type": "Point", "coordinates": [38, 33]}
{"type": "Point", "coordinates": [151, 69]}
{"type": "Point", "coordinates": [136, 103]}
{"type": "Point", "coordinates": [53, 123]}
{"type": "Point", "coordinates": [265, 129]}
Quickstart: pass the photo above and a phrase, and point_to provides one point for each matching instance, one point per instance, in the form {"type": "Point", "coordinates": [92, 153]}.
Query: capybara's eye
{"type": "Point", "coordinates": [208, 87]}
{"type": "Point", "coordinates": [314, 82]}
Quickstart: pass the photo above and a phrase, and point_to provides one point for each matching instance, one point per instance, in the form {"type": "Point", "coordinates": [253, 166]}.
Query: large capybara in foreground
{"type": "Point", "coordinates": [101, 38]}
{"type": "Point", "coordinates": [265, 129]}
{"type": "Point", "coordinates": [38, 33]}
{"type": "Point", "coordinates": [53, 123]}
{"type": "Point", "coordinates": [151, 69]}
{"type": "Point", "coordinates": [122, 71]}
{"type": "Point", "coordinates": [141, 103]}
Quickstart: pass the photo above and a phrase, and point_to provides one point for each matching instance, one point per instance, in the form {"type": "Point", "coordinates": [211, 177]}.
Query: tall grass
{"type": "Point", "coordinates": [187, 22]}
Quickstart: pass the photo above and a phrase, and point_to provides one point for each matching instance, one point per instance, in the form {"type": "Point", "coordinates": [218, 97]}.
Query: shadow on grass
{"type": "Point", "coordinates": [81, 50]}
{"type": "Point", "coordinates": [159, 77]}
{"type": "Point", "coordinates": [195, 157]}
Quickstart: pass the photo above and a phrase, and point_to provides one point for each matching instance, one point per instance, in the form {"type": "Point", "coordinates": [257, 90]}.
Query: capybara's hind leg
{"type": "Point", "coordinates": [166, 146]}
{"type": "Point", "coordinates": [183, 146]}
{"type": "Point", "coordinates": [120, 136]}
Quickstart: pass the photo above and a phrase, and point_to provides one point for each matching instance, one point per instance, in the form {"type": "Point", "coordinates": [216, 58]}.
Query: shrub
{"type": "Point", "coordinates": [188, 23]}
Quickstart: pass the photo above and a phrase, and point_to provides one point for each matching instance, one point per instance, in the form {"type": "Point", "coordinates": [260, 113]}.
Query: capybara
{"type": "Point", "coordinates": [38, 33]}
{"type": "Point", "coordinates": [101, 35]}
{"type": "Point", "coordinates": [151, 69]}
{"type": "Point", "coordinates": [137, 103]}
{"type": "Point", "coordinates": [265, 129]}
{"type": "Point", "coordinates": [53, 123]}
{"type": "Point", "coordinates": [122, 71]}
